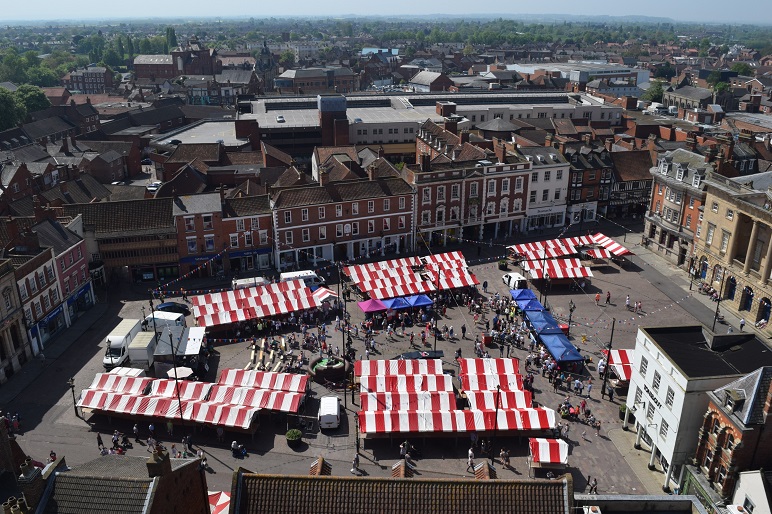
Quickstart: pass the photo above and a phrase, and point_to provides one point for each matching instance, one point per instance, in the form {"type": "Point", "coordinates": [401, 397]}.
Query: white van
{"type": "Point", "coordinates": [308, 276]}
{"type": "Point", "coordinates": [515, 281]}
{"type": "Point", "coordinates": [117, 343]}
{"type": "Point", "coordinates": [243, 283]}
{"type": "Point", "coordinates": [164, 319]}
{"type": "Point", "coordinates": [329, 412]}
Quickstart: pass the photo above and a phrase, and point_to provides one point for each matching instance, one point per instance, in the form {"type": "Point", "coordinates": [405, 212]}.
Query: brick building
{"type": "Point", "coordinates": [15, 347]}
{"type": "Point", "coordinates": [90, 80]}
{"type": "Point", "coordinates": [733, 436]}
{"type": "Point", "coordinates": [249, 224]}
{"type": "Point", "coordinates": [200, 234]}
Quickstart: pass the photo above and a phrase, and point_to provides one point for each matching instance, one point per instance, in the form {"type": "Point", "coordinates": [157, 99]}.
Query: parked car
{"type": "Point", "coordinates": [280, 119]}
{"type": "Point", "coordinates": [153, 186]}
{"type": "Point", "coordinates": [179, 308]}
{"type": "Point", "coordinates": [147, 161]}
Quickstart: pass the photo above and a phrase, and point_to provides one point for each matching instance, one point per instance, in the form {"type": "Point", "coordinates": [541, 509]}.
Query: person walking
{"type": "Point", "coordinates": [610, 394]}
{"type": "Point", "coordinates": [597, 427]}
{"type": "Point", "coordinates": [485, 286]}
{"type": "Point", "coordinates": [608, 297]}
{"type": "Point", "coordinates": [355, 464]}
{"type": "Point", "coordinates": [170, 427]}
{"type": "Point", "coordinates": [100, 444]}
{"type": "Point", "coordinates": [594, 486]}
{"type": "Point", "coordinates": [470, 460]}
{"type": "Point", "coordinates": [742, 324]}
{"type": "Point", "coordinates": [589, 389]}
{"type": "Point", "coordinates": [463, 331]}
{"type": "Point", "coordinates": [627, 302]}
{"type": "Point", "coordinates": [136, 433]}
{"type": "Point", "coordinates": [597, 298]}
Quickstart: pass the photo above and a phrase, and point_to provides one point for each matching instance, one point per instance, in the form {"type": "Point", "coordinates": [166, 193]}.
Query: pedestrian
{"type": "Point", "coordinates": [589, 389]}
{"type": "Point", "coordinates": [100, 444]}
{"type": "Point", "coordinates": [608, 297]}
{"type": "Point", "coordinates": [463, 331]}
{"type": "Point", "coordinates": [355, 464]}
{"type": "Point", "coordinates": [170, 427]}
{"type": "Point", "coordinates": [729, 330]}
{"type": "Point", "coordinates": [470, 460]}
{"type": "Point", "coordinates": [627, 302]}
{"type": "Point", "coordinates": [485, 286]}
{"type": "Point", "coordinates": [597, 298]}
{"type": "Point", "coordinates": [501, 350]}
{"type": "Point", "coordinates": [597, 427]}
{"type": "Point", "coordinates": [151, 428]}
{"type": "Point", "coordinates": [594, 486]}
{"type": "Point", "coordinates": [220, 433]}
{"type": "Point", "coordinates": [566, 428]}
{"type": "Point", "coordinates": [610, 394]}
{"type": "Point", "coordinates": [742, 324]}
{"type": "Point", "coordinates": [136, 433]}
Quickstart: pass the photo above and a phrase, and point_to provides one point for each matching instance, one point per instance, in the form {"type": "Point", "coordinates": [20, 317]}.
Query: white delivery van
{"type": "Point", "coordinates": [515, 281]}
{"type": "Point", "coordinates": [308, 276]}
{"type": "Point", "coordinates": [142, 349]}
{"type": "Point", "coordinates": [117, 342]}
{"type": "Point", "coordinates": [163, 320]}
{"type": "Point", "coordinates": [243, 283]}
{"type": "Point", "coordinates": [329, 412]}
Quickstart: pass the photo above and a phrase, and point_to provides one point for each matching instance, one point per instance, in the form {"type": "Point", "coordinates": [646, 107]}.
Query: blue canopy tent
{"type": "Point", "coordinates": [419, 300]}
{"type": "Point", "coordinates": [396, 303]}
{"type": "Point", "coordinates": [561, 348]}
{"type": "Point", "coordinates": [522, 294]}
{"type": "Point", "coordinates": [541, 321]}
{"type": "Point", "coordinates": [529, 305]}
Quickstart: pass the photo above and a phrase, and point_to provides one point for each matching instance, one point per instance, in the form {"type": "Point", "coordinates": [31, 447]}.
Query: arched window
{"type": "Point", "coordinates": [7, 299]}
{"type": "Point", "coordinates": [729, 442]}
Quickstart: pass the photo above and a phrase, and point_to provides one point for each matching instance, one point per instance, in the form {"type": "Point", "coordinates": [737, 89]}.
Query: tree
{"type": "Point", "coordinates": [32, 97]}
{"type": "Point", "coordinates": [654, 93]}
{"type": "Point", "coordinates": [743, 69]}
{"type": "Point", "coordinates": [666, 71]}
{"type": "Point", "coordinates": [130, 47]}
{"type": "Point", "coordinates": [119, 47]}
{"type": "Point", "coordinates": [171, 37]}
{"type": "Point", "coordinates": [287, 57]}
{"type": "Point", "coordinates": [713, 78]}
{"type": "Point", "coordinates": [721, 87]}
{"type": "Point", "coordinates": [12, 111]}
{"type": "Point", "coordinates": [44, 77]}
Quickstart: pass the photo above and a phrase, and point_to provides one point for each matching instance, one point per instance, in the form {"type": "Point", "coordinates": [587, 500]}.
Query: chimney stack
{"type": "Point", "coordinates": [159, 464]}
{"type": "Point", "coordinates": [548, 140]}
{"type": "Point", "coordinates": [425, 162]}
{"type": "Point", "coordinates": [464, 136]}
{"type": "Point", "coordinates": [324, 177]}
{"type": "Point", "coordinates": [609, 143]}
{"type": "Point", "coordinates": [586, 138]}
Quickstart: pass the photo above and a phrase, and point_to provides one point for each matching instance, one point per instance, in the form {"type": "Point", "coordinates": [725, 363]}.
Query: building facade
{"type": "Point", "coordinates": [91, 80]}
{"type": "Point", "coordinates": [675, 211]}
{"type": "Point", "coordinates": [15, 347]}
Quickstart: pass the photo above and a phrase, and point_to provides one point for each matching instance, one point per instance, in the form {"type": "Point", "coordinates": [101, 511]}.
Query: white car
{"type": "Point", "coordinates": [280, 119]}
{"type": "Point", "coordinates": [153, 186]}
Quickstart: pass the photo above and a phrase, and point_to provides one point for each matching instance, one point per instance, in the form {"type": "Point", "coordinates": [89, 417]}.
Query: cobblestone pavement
{"type": "Point", "coordinates": [40, 394]}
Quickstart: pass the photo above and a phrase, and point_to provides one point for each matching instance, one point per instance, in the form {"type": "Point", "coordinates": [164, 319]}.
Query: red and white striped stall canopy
{"type": "Point", "coordinates": [202, 412]}
{"type": "Point", "coordinates": [225, 317]}
{"type": "Point", "coordinates": [398, 367]}
{"type": "Point", "coordinates": [391, 421]}
{"type": "Point", "coordinates": [610, 245]}
{"type": "Point", "coordinates": [557, 273]}
{"type": "Point", "coordinates": [237, 416]}
{"type": "Point", "coordinates": [158, 407]}
{"type": "Point", "coordinates": [394, 291]}
{"type": "Point", "coordinates": [479, 382]}
{"type": "Point", "coordinates": [469, 366]}
{"type": "Point", "coordinates": [486, 400]}
{"type": "Point", "coordinates": [406, 384]}
{"type": "Point", "coordinates": [219, 502]}
{"type": "Point", "coordinates": [289, 382]}
{"type": "Point", "coordinates": [537, 246]}
{"type": "Point", "coordinates": [422, 400]}
{"type": "Point", "coordinates": [579, 240]}
{"type": "Point", "coordinates": [553, 264]}
{"type": "Point", "coordinates": [258, 398]}
{"type": "Point", "coordinates": [548, 451]}
{"type": "Point", "coordinates": [92, 398]}
{"type": "Point", "coordinates": [599, 253]}
{"type": "Point", "coordinates": [621, 361]}
{"type": "Point", "coordinates": [189, 390]}
{"type": "Point", "coordinates": [120, 383]}
{"type": "Point", "coordinates": [224, 297]}
{"type": "Point", "coordinates": [453, 278]}
{"type": "Point", "coordinates": [443, 258]}
{"type": "Point", "coordinates": [552, 253]}
{"type": "Point", "coordinates": [120, 403]}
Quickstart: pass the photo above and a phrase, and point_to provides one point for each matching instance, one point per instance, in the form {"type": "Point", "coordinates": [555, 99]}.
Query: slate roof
{"type": "Point", "coordinates": [354, 495]}
{"type": "Point", "coordinates": [112, 483]}
{"type": "Point", "coordinates": [693, 93]}
{"type": "Point", "coordinates": [425, 78]}
{"type": "Point", "coordinates": [122, 147]}
{"type": "Point", "coordinates": [54, 235]}
{"type": "Point", "coordinates": [188, 180]}
{"type": "Point", "coordinates": [752, 389]}
{"type": "Point", "coordinates": [156, 116]}
{"type": "Point", "coordinates": [83, 189]}
{"type": "Point", "coordinates": [632, 165]}
{"type": "Point", "coordinates": [234, 76]}
{"type": "Point", "coordinates": [120, 192]}
{"type": "Point", "coordinates": [291, 177]}
{"type": "Point", "coordinates": [207, 152]}
{"type": "Point", "coordinates": [149, 216]}
{"type": "Point", "coordinates": [497, 125]}
{"type": "Point", "coordinates": [247, 206]}
{"type": "Point", "coordinates": [205, 203]}
{"type": "Point", "coordinates": [46, 127]}
{"type": "Point", "coordinates": [276, 153]}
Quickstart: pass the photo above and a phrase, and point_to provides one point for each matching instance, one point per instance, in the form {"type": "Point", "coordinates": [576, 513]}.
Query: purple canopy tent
{"type": "Point", "coordinates": [371, 305]}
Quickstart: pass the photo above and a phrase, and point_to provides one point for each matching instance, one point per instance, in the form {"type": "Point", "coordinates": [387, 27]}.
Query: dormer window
{"type": "Point", "coordinates": [663, 167]}
{"type": "Point", "coordinates": [680, 174]}
{"type": "Point", "coordinates": [696, 181]}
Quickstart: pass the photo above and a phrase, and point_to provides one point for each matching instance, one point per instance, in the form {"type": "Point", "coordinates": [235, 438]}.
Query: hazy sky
{"type": "Point", "coordinates": [681, 10]}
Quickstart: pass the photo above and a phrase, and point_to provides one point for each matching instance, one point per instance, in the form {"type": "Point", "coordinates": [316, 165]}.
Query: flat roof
{"type": "Point", "coordinates": [687, 347]}
{"type": "Point", "coordinates": [206, 132]}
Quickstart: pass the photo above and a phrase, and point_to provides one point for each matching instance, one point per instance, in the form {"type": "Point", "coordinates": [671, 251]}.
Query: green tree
{"type": "Point", "coordinates": [119, 47]}
{"type": "Point", "coordinates": [12, 111]}
{"type": "Point", "coordinates": [743, 68]}
{"type": "Point", "coordinates": [130, 47]}
{"type": "Point", "coordinates": [654, 93]}
{"type": "Point", "coordinates": [32, 97]}
{"type": "Point", "coordinates": [111, 57]}
{"type": "Point", "coordinates": [171, 37]}
{"type": "Point", "coordinates": [721, 87]}
{"type": "Point", "coordinates": [44, 77]}
{"type": "Point", "coordinates": [287, 57]}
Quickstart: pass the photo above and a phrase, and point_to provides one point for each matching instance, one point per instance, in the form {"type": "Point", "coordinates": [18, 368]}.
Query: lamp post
{"type": "Point", "coordinates": [571, 307]}
{"type": "Point", "coordinates": [605, 374]}
{"type": "Point", "coordinates": [718, 301]}
{"type": "Point", "coordinates": [71, 383]}
{"type": "Point", "coordinates": [495, 422]}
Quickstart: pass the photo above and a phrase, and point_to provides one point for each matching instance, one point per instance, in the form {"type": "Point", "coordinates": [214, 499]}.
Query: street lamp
{"type": "Point", "coordinates": [495, 422]}
{"type": "Point", "coordinates": [718, 300]}
{"type": "Point", "coordinates": [608, 358]}
{"type": "Point", "coordinates": [571, 307]}
{"type": "Point", "coordinates": [71, 383]}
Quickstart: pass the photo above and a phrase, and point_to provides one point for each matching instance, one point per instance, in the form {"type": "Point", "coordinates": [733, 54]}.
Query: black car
{"type": "Point", "coordinates": [179, 308]}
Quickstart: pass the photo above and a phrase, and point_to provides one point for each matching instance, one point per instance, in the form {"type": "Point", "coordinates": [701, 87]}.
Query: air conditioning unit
{"type": "Point", "coordinates": [592, 509]}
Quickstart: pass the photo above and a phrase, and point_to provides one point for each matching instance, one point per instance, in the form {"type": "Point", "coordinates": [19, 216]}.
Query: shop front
{"type": "Point", "coordinates": [154, 272]}
{"type": "Point", "coordinates": [256, 258]}
{"type": "Point", "coordinates": [80, 302]}
{"type": "Point", "coordinates": [544, 217]}
{"type": "Point", "coordinates": [207, 265]}
{"type": "Point", "coordinates": [49, 326]}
